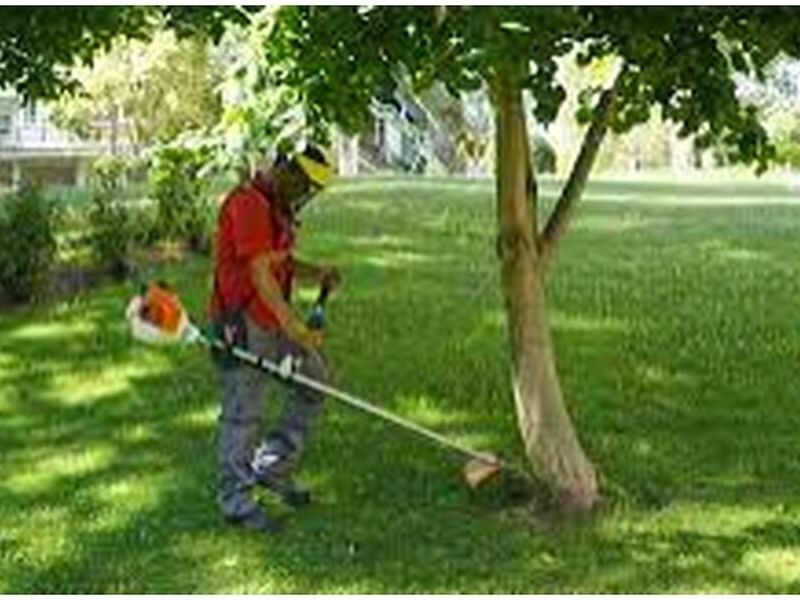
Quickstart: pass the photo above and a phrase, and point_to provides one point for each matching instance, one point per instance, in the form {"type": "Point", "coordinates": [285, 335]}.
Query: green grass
{"type": "Point", "coordinates": [677, 322]}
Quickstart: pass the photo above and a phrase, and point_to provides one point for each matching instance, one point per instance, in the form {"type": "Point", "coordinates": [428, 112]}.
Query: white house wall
{"type": "Point", "coordinates": [33, 147]}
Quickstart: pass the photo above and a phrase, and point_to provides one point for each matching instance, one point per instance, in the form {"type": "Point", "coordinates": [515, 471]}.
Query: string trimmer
{"type": "Point", "coordinates": [157, 317]}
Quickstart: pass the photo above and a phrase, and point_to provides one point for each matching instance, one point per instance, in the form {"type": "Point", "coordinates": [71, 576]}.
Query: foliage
{"type": "Point", "coordinates": [644, 145]}
{"type": "Point", "coordinates": [787, 144]}
{"type": "Point", "coordinates": [682, 59]}
{"type": "Point", "coordinates": [144, 92]}
{"type": "Point", "coordinates": [259, 115]}
{"type": "Point", "coordinates": [39, 45]}
{"type": "Point", "coordinates": [113, 224]}
{"type": "Point", "coordinates": [36, 44]}
{"type": "Point", "coordinates": [181, 191]}
{"type": "Point", "coordinates": [27, 229]}
{"type": "Point", "coordinates": [689, 405]}
{"type": "Point", "coordinates": [776, 99]}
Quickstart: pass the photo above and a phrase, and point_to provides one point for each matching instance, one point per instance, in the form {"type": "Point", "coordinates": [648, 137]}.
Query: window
{"type": "Point", "coordinates": [5, 124]}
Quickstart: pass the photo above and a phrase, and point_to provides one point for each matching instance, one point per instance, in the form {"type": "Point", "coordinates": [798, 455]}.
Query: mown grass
{"type": "Point", "coordinates": [675, 311]}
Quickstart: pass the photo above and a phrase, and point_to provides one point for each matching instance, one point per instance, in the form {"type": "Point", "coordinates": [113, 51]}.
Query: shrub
{"type": "Point", "coordinates": [28, 248]}
{"type": "Point", "coordinates": [181, 195]}
{"type": "Point", "coordinates": [112, 226]}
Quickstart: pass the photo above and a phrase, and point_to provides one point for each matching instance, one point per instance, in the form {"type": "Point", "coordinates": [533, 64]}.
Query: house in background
{"type": "Point", "coordinates": [33, 149]}
{"type": "Point", "coordinates": [410, 134]}
{"type": "Point", "coordinates": [399, 139]}
{"type": "Point", "coordinates": [396, 140]}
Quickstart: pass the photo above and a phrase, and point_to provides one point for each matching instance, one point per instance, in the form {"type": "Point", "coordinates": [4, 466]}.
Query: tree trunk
{"type": "Point", "coordinates": [547, 432]}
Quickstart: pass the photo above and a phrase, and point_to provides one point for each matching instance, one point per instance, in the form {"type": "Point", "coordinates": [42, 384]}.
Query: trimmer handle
{"type": "Point", "coordinates": [316, 320]}
{"type": "Point", "coordinates": [324, 292]}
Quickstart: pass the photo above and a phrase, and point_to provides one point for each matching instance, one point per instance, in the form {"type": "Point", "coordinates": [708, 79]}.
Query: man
{"type": "Point", "coordinates": [254, 273]}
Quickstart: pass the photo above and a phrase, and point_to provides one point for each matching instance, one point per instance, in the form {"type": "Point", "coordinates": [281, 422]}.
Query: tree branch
{"type": "Point", "coordinates": [573, 189]}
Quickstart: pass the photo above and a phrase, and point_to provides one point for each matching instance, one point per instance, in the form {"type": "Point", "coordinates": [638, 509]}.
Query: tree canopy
{"type": "Point", "coordinates": [683, 59]}
{"type": "Point", "coordinates": [155, 89]}
{"type": "Point", "coordinates": [39, 45]}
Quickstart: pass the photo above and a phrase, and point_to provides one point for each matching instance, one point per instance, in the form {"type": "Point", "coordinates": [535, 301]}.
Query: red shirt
{"type": "Point", "coordinates": [249, 223]}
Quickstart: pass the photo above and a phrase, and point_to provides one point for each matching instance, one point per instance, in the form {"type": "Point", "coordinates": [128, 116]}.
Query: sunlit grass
{"type": "Point", "coordinates": [781, 565]}
{"type": "Point", "coordinates": [48, 468]}
{"type": "Point", "coordinates": [675, 311]}
{"type": "Point", "coordinates": [51, 330]}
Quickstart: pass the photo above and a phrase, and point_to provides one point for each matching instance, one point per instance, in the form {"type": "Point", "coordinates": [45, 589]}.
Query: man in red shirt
{"type": "Point", "coordinates": [250, 306]}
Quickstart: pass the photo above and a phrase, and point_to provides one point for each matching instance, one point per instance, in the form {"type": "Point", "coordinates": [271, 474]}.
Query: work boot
{"type": "Point", "coordinates": [255, 520]}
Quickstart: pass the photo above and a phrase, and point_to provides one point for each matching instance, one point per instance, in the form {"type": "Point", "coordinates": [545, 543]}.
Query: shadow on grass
{"type": "Point", "coordinates": [675, 363]}
{"type": "Point", "coordinates": [118, 485]}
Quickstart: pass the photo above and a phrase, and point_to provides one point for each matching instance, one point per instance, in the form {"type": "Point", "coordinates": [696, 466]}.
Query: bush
{"type": "Point", "coordinates": [787, 148]}
{"type": "Point", "coordinates": [28, 248]}
{"type": "Point", "coordinates": [181, 194]}
{"type": "Point", "coordinates": [113, 228]}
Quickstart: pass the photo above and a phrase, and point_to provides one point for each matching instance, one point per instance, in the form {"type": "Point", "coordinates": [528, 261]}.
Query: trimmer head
{"type": "Point", "coordinates": [480, 470]}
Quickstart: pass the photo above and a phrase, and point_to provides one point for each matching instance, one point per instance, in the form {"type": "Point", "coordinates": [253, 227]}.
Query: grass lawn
{"type": "Point", "coordinates": [677, 323]}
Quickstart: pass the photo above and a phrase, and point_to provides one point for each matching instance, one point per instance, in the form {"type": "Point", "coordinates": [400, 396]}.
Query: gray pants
{"type": "Point", "coordinates": [243, 410]}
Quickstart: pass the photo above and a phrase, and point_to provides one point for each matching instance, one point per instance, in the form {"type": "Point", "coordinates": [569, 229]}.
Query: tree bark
{"type": "Point", "coordinates": [547, 432]}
